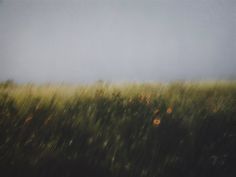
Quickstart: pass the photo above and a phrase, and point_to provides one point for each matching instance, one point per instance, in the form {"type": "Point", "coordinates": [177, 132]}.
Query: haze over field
{"type": "Point", "coordinates": [86, 40]}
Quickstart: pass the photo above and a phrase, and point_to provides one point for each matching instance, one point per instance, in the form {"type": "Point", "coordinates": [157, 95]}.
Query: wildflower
{"type": "Point", "coordinates": [169, 110]}
{"type": "Point", "coordinates": [156, 122]}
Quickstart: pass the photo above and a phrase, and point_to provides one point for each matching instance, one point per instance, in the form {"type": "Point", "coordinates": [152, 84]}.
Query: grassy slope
{"type": "Point", "coordinates": [107, 130]}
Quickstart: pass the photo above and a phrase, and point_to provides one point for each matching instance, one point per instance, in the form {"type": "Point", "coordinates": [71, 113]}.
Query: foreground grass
{"type": "Point", "coordinates": [180, 129]}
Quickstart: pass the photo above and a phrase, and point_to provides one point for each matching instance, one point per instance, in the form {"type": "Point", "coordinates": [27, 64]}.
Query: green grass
{"type": "Point", "coordinates": [108, 130]}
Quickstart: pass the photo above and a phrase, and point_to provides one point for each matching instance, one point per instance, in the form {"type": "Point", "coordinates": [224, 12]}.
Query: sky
{"type": "Point", "coordinates": [83, 41]}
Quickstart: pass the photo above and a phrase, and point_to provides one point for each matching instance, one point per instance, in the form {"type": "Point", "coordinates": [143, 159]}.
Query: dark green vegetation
{"type": "Point", "coordinates": [108, 131]}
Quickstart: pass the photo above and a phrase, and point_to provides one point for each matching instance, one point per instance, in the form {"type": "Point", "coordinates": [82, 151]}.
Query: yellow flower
{"type": "Point", "coordinates": [156, 122]}
{"type": "Point", "coordinates": [169, 110]}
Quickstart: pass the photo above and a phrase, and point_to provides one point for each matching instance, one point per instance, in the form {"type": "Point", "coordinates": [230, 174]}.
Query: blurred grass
{"type": "Point", "coordinates": [110, 130]}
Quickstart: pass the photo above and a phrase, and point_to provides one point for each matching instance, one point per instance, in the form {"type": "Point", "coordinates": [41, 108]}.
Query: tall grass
{"type": "Point", "coordinates": [109, 130]}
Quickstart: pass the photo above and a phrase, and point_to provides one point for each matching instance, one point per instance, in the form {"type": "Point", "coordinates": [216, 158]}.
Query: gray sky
{"type": "Point", "coordinates": [126, 40]}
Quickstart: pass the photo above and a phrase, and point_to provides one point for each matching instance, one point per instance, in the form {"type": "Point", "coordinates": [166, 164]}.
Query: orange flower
{"type": "Point", "coordinates": [169, 110]}
{"type": "Point", "coordinates": [156, 122]}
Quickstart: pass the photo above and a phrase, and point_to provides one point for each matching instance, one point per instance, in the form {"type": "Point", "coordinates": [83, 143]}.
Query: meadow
{"type": "Point", "coordinates": [125, 130]}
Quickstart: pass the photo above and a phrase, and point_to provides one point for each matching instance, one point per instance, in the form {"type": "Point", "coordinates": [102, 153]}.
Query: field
{"type": "Point", "coordinates": [129, 130]}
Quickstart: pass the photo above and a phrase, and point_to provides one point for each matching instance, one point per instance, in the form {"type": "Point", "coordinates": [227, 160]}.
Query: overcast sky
{"type": "Point", "coordinates": [117, 40]}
